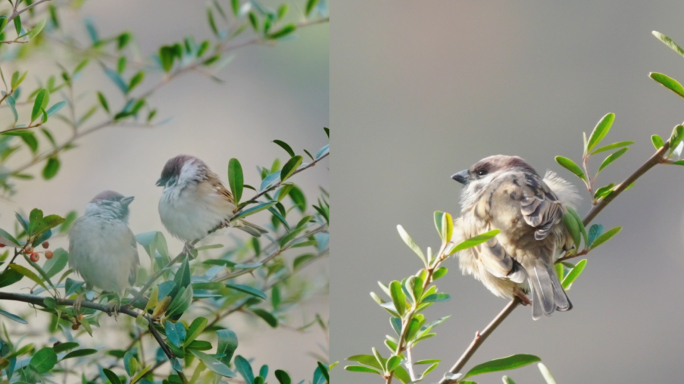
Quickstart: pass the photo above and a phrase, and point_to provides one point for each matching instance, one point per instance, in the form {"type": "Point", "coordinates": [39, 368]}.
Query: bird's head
{"type": "Point", "coordinates": [180, 170]}
{"type": "Point", "coordinates": [480, 174]}
{"type": "Point", "coordinates": [110, 204]}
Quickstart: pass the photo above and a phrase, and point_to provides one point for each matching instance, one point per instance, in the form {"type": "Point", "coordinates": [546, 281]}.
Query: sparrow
{"type": "Point", "coordinates": [505, 193]}
{"type": "Point", "coordinates": [102, 249]}
{"type": "Point", "coordinates": [195, 203]}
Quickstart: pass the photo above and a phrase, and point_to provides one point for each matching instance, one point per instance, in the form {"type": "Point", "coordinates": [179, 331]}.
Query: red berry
{"type": "Point", "coordinates": [74, 326]}
{"type": "Point", "coordinates": [48, 254]}
{"type": "Point", "coordinates": [35, 257]}
{"type": "Point", "coordinates": [2, 245]}
{"type": "Point", "coordinates": [46, 244]}
{"type": "Point", "coordinates": [28, 249]}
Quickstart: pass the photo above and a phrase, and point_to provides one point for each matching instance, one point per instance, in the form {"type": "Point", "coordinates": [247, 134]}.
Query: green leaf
{"type": "Point", "coordinates": [398, 297]}
{"type": "Point", "coordinates": [36, 30]}
{"type": "Point", "coordinates": [368, 360]}
{"type": "Point", "coordinates": [611, 158]}
{"type": "Point", "coordinates": [196, 328]}
{"type": "Point", "coordinates": [79, 353]}
{"type": "Point", "coordinates": [473, 241]}
{"type": "Point", "coordinates": [103, 101]}
{"type": "Point", "coordinates": [359, 368]}
{"type": "Point", "coordinates": [111, 376]}
{"type": "Point", "coordinates": [39, 104]}
{"type": "Point", "coordinates": [9, 277]}
{"type": "Point", "coordinates": [436, 297]}
{"type": "Point", "coordinates": [44, 360]}
{"type": "Point", "coordinates": [245, 369]}
{"type": "Point", "coordinates": [235, 179]}
{"type": "Point", "coordinates": [55, 108]}
{"type": "Point", "coordinates": [600, 131]}
{"type": "Point", "coordinates": [166, 56]}
{"type": "Point", "coordinates": [299, 260]}
{"type": "Point", "coordinates": [283, 377]}
{"type": "Point", "coordinates": [172, 333]}
{"type": "Point", "coordinates": [63, 347]}
{"type": "Point", "coordinates": [669, 42]}
{"type": "Point", "coordinates": [604, 191]}
{"type": "Point", "coordinates": [227, 344]}
{"type": "Point", "coordinates": [282, 32]}
{"type": "Point", "coordinates": [668, 82]}
{"type": "Point", "coordinates": [503, 364]}
{"type": "Point", "coordinates": [18, 79]}
{"type": "Point", "coordinates": [285, 146]}
{"type": "Point", "coordinates": [574, 273]}
{"type": "Point", "coordinates": [580, 224]}
{"type": "Point", "coordinates": [290, 167]}
{"type": "Point", "coordinates": [116, 78]}
{"type": "Point", "coordinates": [310, 4]}
{"type": "Point", "coordinates": [657, 141]}
{"type": "Point", "coordinates": [257, 208]}
{"type": "Point", "coordinates": [594, 231]}
{"type": "Point", "coordinates": [573, 227]}
{"type": "Point", "coordinates": [28, 273]}
{"type": "Point", "coordinates": [266, 316]}
{"type": "Point", "coordinates": [51, 168]}
{"type": "Point", "coordinates": [17, 25]}
{"type": "Point", "coordinates": [7, 239]}
{"type": "Point", "coordinates": [247, 289]}
{"type": "Point", "coordinates": [411, 244]}
{"type": "Point", "coordinates": [613, 146]}
{"type": "Point", "coordinates": [213, 364]}
{"type": "Point", "coordinates": [571, 166]}
{"type": "Point", "coordinates": [13, 317]}
{"type": "Point", "coordinates": [605, 237]}
{"type": "Point", "coordinates": [135, 80]}
{"type": "Point", "coordinates": [12, 104]}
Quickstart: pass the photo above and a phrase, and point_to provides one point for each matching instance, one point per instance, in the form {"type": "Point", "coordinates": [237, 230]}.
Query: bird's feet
{"type": "Point", "coordinates": [523, 298]}
{"type": "Point", "coordinates": [116, 306]}
{"type": "Point", "coordinates": [78, 301]}
{"type": "Point", "coordinates": [188, 249]}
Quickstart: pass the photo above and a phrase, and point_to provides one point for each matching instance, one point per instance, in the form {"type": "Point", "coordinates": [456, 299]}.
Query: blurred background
{"type": "Point", "coordinates": [420, 90]}
{"type": "Point", "coordinates": [278, 92]}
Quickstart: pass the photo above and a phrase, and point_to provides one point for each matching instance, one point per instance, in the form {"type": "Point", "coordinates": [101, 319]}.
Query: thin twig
{"type": "Point", "coordinates": [657, 158]}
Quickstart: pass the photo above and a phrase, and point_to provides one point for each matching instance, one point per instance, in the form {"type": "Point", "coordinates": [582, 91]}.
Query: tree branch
{"type": "Point", "coordinates": [659, 157]}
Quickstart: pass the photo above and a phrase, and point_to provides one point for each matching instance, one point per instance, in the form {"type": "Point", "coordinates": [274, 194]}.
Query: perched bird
{"type": "Point", "coordinates": [102, 249]}
{"type": "Point", "coordinates": [194, 201]}
{"type": "Point", "coordinates": [505, 193]}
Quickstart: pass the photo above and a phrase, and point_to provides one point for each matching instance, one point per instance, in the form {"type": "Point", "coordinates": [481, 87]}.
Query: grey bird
{"type": "Point", "coordinates": [194, 202]}
{"type": "Point", "coordinates": [505, 193]}
{"type": "Point", "coordinates": [102, 249]}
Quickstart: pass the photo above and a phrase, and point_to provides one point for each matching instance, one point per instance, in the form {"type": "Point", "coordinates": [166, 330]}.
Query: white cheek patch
{"type": "Point", "coordinates": [188, 172]}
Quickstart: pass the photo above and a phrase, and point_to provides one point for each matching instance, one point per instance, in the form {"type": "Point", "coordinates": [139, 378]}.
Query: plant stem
{"type": "Point", "coordinates": [657, 158]}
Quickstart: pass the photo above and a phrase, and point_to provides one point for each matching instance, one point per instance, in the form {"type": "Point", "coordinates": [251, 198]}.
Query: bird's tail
{"type": "Point", "coordinates": [548, 294]}
{"type": "Point", "coordinates": [248, 227]}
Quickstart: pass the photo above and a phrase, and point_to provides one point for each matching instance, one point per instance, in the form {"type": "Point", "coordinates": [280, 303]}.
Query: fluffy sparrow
{"type": "Point", "coordinates": [102, 249]}
{"type": "Point", "coordinates": [505, 193]}
{"type": "Point", "coordinates": [194, 201]}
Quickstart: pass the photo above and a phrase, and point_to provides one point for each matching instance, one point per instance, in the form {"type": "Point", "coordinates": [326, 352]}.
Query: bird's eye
{"type": "Point", "coordinates": [481, 172]}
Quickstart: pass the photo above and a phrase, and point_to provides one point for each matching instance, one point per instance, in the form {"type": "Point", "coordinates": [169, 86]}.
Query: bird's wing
{"type": "Point", "coordinates": [539, 206]}
{"type": "Point", "coordinates": [133, 276]}
{"type": "Point", "coordinates": [491, 255]}
{"type": "Point", "coordinates": [216, 184]}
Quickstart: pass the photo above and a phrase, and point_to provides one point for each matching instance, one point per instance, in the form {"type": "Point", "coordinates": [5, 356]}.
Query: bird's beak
{"type": "Point", "coordinates": [461, 177]}
{"type": "Point", "coordinates": [160, 183]}
{"type": "Point", "coordinates": [127, 200]}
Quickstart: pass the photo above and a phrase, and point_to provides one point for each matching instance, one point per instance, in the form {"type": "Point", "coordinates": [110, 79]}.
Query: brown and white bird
{"type": "Point", "coordinates": [505, 193]}
{"type": "Point", "coordinates": [102, 249]}
{"type": "Point", "coordinates": [194, 201]}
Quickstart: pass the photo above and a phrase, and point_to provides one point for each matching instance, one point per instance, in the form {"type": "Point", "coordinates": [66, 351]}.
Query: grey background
{"type": "Point", "coordinates": [420, 90]}
{"type": "Point", "coordinates": [269, 93]}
